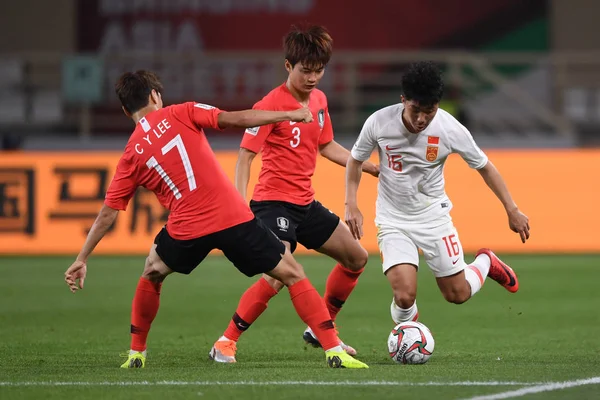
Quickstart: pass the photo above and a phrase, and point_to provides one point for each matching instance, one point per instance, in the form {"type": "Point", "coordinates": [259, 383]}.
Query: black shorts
{"type": "Point", "coordinates": [311, 225]}
{"type": "Point", "coordinates": [250, 246]}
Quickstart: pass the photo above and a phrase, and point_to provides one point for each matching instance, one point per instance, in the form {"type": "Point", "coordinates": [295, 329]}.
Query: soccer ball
{"type": "Point", "coordinates": [411, 343]}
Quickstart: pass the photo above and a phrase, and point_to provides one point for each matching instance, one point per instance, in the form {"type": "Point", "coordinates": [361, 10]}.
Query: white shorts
{"type": "Point", "coordinates": [438, 240]}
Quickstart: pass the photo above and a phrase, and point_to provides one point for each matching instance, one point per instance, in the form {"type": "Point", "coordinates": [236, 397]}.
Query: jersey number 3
{"type": "Point", "coordinates": [296, 132]}
{"type": "Point", "coordinates": [185, 159]}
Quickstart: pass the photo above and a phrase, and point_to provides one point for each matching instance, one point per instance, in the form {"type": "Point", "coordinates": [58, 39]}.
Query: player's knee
{"type": "Point", "coordinates": [274, 283]}
{"type": "Point", "coordinates": [295, 273]}
{"type": "Point", "coordinates": [153, 270]}
{"type": "Point", "coordinates": [405, 299]}
{"type": "Point", "coordinates": [456, 295]}
{"type": "Point", "coordinates": [288, 271]}
{"type": "Point", "coordinates": [359, 261]}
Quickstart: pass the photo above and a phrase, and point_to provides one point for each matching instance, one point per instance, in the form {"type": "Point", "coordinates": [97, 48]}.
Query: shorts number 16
{"type": "Point", "coordinates": [451, 245]}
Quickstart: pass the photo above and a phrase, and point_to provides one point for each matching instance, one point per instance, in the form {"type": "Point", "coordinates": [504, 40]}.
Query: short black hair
{"type": "Point", "coordinates": [422, 82]}
{"type": "Point", "coordinates": [134, 88]}
{"type": "Point", "coordinates": [311, 45]}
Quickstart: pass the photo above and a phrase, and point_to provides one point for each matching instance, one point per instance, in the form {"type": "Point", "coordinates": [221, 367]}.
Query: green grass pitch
{"type": "Point", "coordinates": [57, 345]}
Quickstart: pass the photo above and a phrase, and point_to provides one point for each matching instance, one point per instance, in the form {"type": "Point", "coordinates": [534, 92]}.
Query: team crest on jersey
{"type": "Point", "coordinates": [432, 153]}
{"type": "Point", "coordinates": [283, 224]}
{"type": "Point", "coordinates": [321, 118]}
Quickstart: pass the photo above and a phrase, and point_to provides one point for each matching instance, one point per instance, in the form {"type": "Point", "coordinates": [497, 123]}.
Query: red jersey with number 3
{"type": "Point", "coordinates": [289, 149]}
{"type": "Point", "coordinates": [169, 154]}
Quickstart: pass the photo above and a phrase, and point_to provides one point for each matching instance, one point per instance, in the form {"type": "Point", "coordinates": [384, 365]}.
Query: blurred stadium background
{"type": "Point", "coordinates": [518, 75]}
{"type": "Point", "coordinates": [523, 76]}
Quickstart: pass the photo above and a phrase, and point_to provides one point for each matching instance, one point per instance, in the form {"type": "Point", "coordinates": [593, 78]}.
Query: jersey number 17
{"type": "Point", "coordinates": [176, 142]}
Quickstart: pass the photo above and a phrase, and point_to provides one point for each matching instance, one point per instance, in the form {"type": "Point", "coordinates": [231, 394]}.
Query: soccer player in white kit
{"type": "Point", "coordinates": [413, 139]}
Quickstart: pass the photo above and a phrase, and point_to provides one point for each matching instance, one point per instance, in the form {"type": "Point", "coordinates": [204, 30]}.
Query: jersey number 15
{"type": "Point", "coordinates": [185, 159]}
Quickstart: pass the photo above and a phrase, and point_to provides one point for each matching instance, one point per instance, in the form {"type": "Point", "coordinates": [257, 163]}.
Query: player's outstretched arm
{"type": "Point", "coordinates": [75, 275]}
{"type": "Point", "coordinates": [252, 118]}
{"type": "Point", "coordinates": [517, 221]}
{"type": "Point", "coordinates": [354, 217]}
{"type": "Point", "coordinates": [336, 153]}
{"type": "Point", "coordinates": [242, 170]}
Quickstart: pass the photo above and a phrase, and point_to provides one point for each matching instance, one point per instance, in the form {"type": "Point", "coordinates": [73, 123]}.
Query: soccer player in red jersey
{"type": "Point", "coordinates": [169, 154]}
{"type": "Point", "coordinates": [284, 198]}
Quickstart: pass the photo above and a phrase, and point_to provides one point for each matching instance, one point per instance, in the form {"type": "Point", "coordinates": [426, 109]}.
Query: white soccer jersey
{"type": "Point", "coordinates": [411, 179]}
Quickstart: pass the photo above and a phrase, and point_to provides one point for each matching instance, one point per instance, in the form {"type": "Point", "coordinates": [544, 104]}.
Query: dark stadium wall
{"type": "Point", "coordinates": [113, 25]}
{"type": "Point", "coordinates": [116, 26]}
{"type": "Point", "coordinates": [50, 26]}
{"type": "Point", "coordinates": [575, 25]}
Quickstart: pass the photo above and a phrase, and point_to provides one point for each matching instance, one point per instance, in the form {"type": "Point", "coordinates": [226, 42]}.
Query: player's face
{"type": "Point", "coordinates": [417, 117]}
{"type": "Point", "coordinates": [303, 78]}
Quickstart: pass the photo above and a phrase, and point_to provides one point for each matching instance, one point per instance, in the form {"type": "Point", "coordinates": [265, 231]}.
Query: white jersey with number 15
{"type": "Point", "coordinates": [411, 181]}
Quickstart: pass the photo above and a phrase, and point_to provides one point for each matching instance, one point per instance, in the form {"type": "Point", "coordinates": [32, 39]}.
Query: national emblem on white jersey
{"type": "Point", "coordinates": [432, 153]}
{"type": "Point", "coordinates": [432, 148]}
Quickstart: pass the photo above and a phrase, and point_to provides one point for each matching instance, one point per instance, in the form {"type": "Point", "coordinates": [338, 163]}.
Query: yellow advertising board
{"type": "Point", "coordinates": [48, 201]}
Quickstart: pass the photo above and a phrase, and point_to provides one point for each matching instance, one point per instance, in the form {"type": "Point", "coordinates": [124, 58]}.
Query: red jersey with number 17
{"type": "Point", "coordinates": [289, 149]}
{"type": "Point", "coordinates": [169, 154]}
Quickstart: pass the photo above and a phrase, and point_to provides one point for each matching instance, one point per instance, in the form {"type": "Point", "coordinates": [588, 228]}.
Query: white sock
{"type": "Point", "coordinates": [337, 349]}
{"type": "Point", "coordinates": [400, 315]}
{"type": "Point", "coordinates": [477, 271]}
{"type": "Point", "coordinates": [482, 263]}
{"type": "Point", "coordinates": [223, 339]}
{"type": "Point", "coordinates": [131, 352]}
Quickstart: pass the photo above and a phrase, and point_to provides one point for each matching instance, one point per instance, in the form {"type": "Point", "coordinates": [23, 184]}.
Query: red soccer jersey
{"type": "Point", "coordinates": [289, 149]}
{"type": "Point", "coordinates": [169, 154]}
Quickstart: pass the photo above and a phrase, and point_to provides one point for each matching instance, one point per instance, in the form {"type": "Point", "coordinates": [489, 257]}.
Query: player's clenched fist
{"type": "Point", "coordinates": [354, 220]}
{"type": "Point", "coordinates": [301, 115]}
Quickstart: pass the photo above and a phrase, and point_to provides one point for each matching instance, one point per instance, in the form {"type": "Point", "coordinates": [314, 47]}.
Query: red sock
{"type": "Point", "coordinates": [252, 304]}
{"type": "Point", "coordinates": [340, 283]}
{"type": "Point", "coordinates": [311, 308]}
{"type": "Point", "coordinates": [143, 310]}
